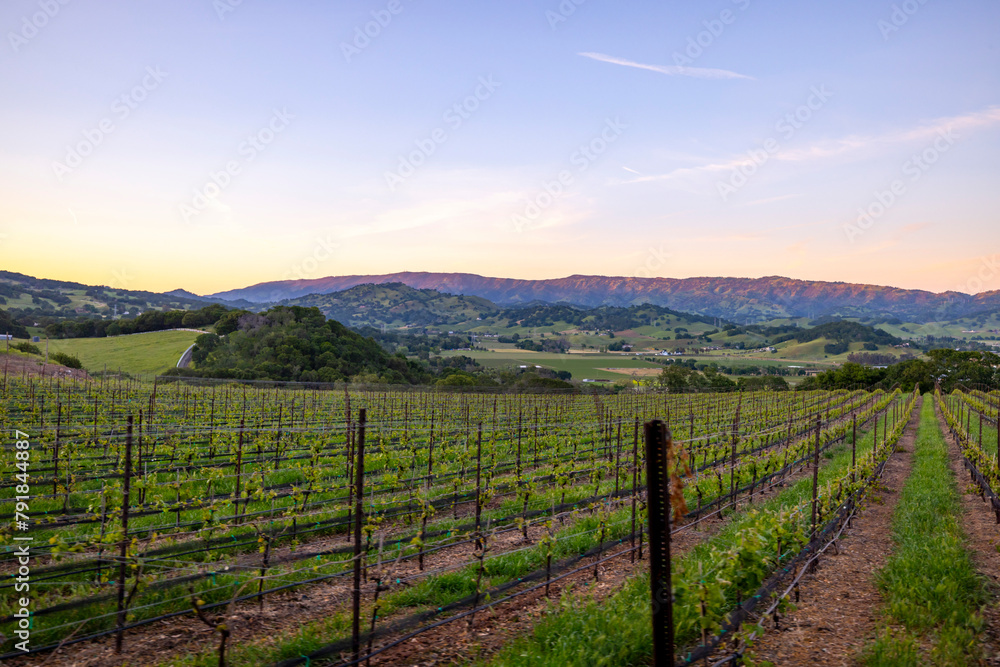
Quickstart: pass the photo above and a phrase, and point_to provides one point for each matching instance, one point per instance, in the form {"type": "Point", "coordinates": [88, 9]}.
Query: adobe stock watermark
{"type": "Point", "coordinates": [582, 158]}
{"type": "Point", "coordinates": [224, 7]}
{"type": "Point", "coordinates": [697, 44]}
{"type": "Point", "coordinates": [562, 13]}
{"type": "Point", "coordinates": [913, 168]}
{"type": "Point", "coordinates": [122, 279]}
{"type": "Point", "coordinates": [323, 250]}
{"type": "Point", "coordinates": [34, 24]}
{"type": "Point", "coordinates": [248, 150]}
{"type": "Point", "coordinates": [22, 542]}
{"type": "Point", "coordinates": [365, 34]}
{"type": "Point", "coordinates": [988, 271]}
{"type": "Point", "coordinates": [656, 259]}
{"type": "Point", "coordinates": [899, 17]}
{"type": "Point", "coordinates": [786, 126]}
{"type": "Point", "coordinates": [121, 108]}
{"type": "Point", "coordinates": [454, 117]}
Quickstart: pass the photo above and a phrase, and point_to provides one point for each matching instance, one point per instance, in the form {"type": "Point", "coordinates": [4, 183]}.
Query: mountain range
{"type": "Point", "coordinates": [736, 299]}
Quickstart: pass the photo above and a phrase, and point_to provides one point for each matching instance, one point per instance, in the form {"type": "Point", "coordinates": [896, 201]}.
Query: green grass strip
{"type": "Point", "coordinates": [616, 630]}
{"type": "Point", "coordinates": [930, 584]}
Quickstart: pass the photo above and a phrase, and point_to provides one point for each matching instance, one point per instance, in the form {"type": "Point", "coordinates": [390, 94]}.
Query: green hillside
{"type": "Point", "coordinates": [396, 305]}
{"type": "Point", "coordinates": [139, 354]}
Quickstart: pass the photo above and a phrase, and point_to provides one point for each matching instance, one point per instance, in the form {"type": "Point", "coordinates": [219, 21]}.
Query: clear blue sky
{"type": "Point", "coordinates": [719, 138]}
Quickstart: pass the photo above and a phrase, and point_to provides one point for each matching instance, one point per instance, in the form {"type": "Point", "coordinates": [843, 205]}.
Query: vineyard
{"type": "Point", "coordinates": [145, 503]}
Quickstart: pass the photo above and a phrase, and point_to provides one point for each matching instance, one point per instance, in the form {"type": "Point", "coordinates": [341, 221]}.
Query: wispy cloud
{"type": "Point", "coordinates": [669, 70]}
{"type": "Point", "coordinates": [769, 200]}
{"type": "Point", "coordinates": [830, 148]}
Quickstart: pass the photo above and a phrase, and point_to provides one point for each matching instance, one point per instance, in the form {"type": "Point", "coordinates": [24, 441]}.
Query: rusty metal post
{"type": "Point", "coordinates": [658, 441]}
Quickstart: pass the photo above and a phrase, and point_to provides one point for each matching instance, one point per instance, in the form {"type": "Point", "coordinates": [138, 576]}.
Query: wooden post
{"type": "Point", "coordinates": [658, 442]}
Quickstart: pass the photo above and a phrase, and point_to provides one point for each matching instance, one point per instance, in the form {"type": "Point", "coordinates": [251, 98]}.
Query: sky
{"type": "Point", "coordinates": [214, 144]}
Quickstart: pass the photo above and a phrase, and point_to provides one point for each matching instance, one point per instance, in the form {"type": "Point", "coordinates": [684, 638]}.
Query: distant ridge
{"type": "Point", "coordinates": [184, 294]}
{"type": "Point", "coordinates": [738, 299]}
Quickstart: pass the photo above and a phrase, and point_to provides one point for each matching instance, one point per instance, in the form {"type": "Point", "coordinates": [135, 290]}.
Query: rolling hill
{"type": "Point", "coordinates": [396, 305]}
{"type": "Point", "coordinates": [738, 299]}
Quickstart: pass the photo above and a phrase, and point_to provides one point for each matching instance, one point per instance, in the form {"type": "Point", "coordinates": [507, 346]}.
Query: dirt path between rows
{"type": "Point", "coordinates": [982, 540]}
{"type": "Point", "coordinates": [839, 602]}
{"type": "Point", "coordinates": [497, 627]}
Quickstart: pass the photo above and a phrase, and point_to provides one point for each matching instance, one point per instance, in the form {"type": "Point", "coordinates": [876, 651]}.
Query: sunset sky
{"type": "Point", "coordinates": [214, 144]}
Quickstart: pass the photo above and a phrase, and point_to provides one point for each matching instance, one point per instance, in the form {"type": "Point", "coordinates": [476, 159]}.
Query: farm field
{"type": "Point", "coordinates": [593, 365]}
{"type": "Point", "coordinates": [241, 501]}
{"type": "Point", "coordinates": [583, 365]}
{"type": "Point", "coordinates": [144, 354]}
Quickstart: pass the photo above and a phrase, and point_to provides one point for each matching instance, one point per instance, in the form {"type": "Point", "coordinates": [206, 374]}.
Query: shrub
{"type": "Point", "coordinates": [66, 360]}
{"type": "Point", "coordinates": [26, 347]}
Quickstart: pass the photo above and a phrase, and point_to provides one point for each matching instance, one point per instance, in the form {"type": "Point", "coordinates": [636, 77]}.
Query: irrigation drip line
{"type": "Point", "coordinates": [243, 598]}
{"type": "Point", "coordinates": [984, 485]}
{"type": "Point", "coordinates": [623, 493]}
{"type": "Point", "coordinates": [301, 556]}
{"type": "Point", "coordinates": [224, 543]}
{"type": "Point", "coordinates": [416, 619]}
{"type": "Point", "coordinates": [443, 499]}
{"type": "Point", "coordinates": [808, 553]}
{"type": "Point", "coordinates": [403, 624]}
{"type": "Point", "coordinates": [603, 423]}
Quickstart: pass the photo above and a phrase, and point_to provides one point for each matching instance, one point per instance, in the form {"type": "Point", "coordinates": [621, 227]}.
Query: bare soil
{"type": "Point", "coordinates": [983, 540]}
{"type": "Point", "coordinates": [498, 626]}
{"type": "Point", "coordinates": [16, 365]}
{"type": "Point", "coordinates": [285, 613]}
{"type": "Point", "coordinates": [839, 603]}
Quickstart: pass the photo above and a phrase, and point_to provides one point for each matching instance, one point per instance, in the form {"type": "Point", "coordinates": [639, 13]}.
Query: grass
{"type": "Point", "coordinates": [580, 365]}
{"type": "Point", "coordinates": [930, 584]}
{"type": "Point", "coordinates": [589, 365]}
{"type": "Point", "coordinates": [615, 631]}
{"type": "Point", "coordinates": [430, 592]}
{"type": "Point", "coordinates": [439, 590]}
{"type": "Point", "coordinates": [140, 354]}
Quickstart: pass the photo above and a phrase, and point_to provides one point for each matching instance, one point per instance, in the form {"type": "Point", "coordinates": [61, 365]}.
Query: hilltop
{"type": "Point", "coordinates": [737, 299]}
